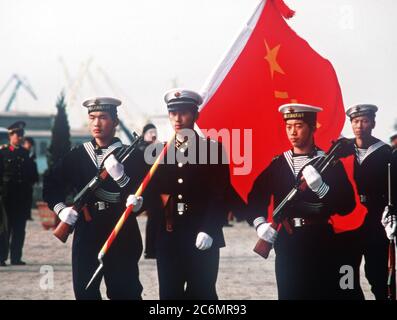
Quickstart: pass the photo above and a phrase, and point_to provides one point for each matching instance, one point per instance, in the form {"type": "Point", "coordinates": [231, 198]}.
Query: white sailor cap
{"type": "Point", "coordinates": [299, 111]}
{"type": "Point", "coordinates": [180, 99]}
{"type": "Point", "coordinates": [393, 136]}
{"type": "Point", "coordinates": [360, 110]}
{"type": "Point", "coordinates": [102, 104]}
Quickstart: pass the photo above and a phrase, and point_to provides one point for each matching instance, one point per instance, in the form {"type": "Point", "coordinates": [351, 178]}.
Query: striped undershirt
{"type": "Point", "coordinates": [361, 154]}
{"type": "Point", "coordinates": [99, 155]}
{"type": "Point", "coordinates": [298, 161]}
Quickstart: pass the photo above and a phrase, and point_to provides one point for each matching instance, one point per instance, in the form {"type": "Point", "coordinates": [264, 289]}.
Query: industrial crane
{"type": "Point", "coordinates": [75, 88]}
{"type": "Point", "coordinates": [20, 82]}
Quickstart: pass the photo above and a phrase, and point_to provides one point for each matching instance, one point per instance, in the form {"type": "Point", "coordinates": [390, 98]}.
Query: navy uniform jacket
{"type": "Point", "coordinates": [17, 173]}
{"type": "Point", "coordinates": [371, 180]}
{"type": "Point", "coordinates": [202, 189]}
{"type": "Point", "coordinates": [72, 173]}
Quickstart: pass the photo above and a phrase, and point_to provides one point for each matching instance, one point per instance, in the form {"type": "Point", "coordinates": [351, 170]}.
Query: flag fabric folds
{"type": "Point", "coordinates": [269, 65]}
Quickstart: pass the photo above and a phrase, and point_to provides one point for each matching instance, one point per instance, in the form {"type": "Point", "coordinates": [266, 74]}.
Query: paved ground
{"type": "Point", "coordinates": [242, 275]}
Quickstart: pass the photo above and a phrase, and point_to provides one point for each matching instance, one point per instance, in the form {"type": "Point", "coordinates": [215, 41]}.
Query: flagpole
{"type": "Point", "coordinates": [229, 58]}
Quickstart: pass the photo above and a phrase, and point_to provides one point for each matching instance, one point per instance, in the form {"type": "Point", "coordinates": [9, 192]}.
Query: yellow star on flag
{"type": "Point", "coordinates": [271, 57]}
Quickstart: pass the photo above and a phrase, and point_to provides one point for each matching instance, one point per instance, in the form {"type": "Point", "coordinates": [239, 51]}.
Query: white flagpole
{"type": "Point", "coordinates": [226, 63]}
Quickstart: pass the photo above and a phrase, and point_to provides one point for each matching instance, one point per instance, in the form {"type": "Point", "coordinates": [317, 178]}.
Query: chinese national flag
{"type": "Point", "coordinates": [267, 66]}
{"type": "Point", "coordinates": [355, 219]}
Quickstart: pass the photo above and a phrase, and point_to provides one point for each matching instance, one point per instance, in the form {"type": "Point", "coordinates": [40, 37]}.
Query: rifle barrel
{"type": "Point", "coordinates": [389, 184]}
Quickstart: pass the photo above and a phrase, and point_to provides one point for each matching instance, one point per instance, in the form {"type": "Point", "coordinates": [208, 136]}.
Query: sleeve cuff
{"type": "Point", "coordinates": [259, 221]}
{"type": "Point", "coordinates": [323, 190]}
{"type": "Point", "coordinates": [123, 181]}
{"type": "Point", "coordinates": [58, 207]}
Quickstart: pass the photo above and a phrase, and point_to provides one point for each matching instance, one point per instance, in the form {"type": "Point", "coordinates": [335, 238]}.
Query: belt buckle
{"type": "Point", "coordinates": [363, 198]}
{"type": "Point", "coordinates": [298, 222]}
{"type": "Point", "coordinates": [181, 207]}
{"type": "Point", "coordinates": [101, 205]}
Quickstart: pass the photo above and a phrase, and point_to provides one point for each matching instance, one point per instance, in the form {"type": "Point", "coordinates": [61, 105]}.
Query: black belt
{"type": "Point", "coordinates": [364, 199]}
{"type": "Point", "coordinates": [100, 207]}
{"type": "Point", "coordinates": [307, 221]}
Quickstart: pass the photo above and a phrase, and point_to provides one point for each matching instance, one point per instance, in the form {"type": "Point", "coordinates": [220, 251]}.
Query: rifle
{"type": "Point", "coordinates": [81, 200]}
{"type": "Point", "coordinates": [343, 147]}
{"type": "Point", "coordinates": [391, 263]}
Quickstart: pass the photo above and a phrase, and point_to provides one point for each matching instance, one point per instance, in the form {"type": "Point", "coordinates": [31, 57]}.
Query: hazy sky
{"type": "Point", "coordinates": [139, 49]}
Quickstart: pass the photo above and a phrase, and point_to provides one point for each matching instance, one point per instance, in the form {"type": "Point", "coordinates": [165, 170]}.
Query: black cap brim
{"type": "Point", "coordinates": [182, 107]}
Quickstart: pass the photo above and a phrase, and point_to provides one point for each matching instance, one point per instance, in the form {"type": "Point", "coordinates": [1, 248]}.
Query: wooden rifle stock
{"type": "Point", "coordinates": [263, 247]}
{"type": "Point", "coordinates": [63, 230]}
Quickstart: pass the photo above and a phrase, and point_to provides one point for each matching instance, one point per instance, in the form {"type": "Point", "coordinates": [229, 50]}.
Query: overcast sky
{"type": "Point", "coordinates": [139, 49]}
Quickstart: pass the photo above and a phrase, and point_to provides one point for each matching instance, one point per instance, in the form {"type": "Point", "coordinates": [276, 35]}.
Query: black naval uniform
{"type": "Point", "coordinates": [121, 273]}
{"type": "Point", "coordinates": [371, 179]}
{"type": "Point", "coordinates": [17, 174]}
{"type": "Point", "coordinates": [36, 173]}
{"type": "Point", "coordinates": [3, 235]}
{"type": "Point", "coordinates": [306, 265]}
{"type": "Point", "coordinates": [193, 200]}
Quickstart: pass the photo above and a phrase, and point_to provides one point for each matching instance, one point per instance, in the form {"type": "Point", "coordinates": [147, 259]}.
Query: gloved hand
{"type": "Point", "coordinates": [68, 215]}
{"type": "Point", "coordinates": [137, 202]}
{"type": "Point", "coordinates": [312, 177]}
{"type": "Point", "coordinates": [389, 222]}
{"type": "Point", "coordinates": [266, 232]}
{"type": "Point", "coordinates": [113, 167]}
{"type": "Point", "coordinates": [203, 241]}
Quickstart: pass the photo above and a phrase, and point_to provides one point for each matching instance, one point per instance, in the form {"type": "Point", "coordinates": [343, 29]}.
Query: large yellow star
{"type": "Point", "coordinates": [271, 57]}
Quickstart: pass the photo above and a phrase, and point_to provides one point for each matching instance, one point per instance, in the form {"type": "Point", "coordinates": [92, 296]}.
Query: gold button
{"type": "Point", "coordinates": [182, 150]}
{"type": "Point", "coordinates": [180, 164]}
{"type": "Point", "coordinates": [180, 180]}
{"type": "Point", "coordinates": [180, 196]}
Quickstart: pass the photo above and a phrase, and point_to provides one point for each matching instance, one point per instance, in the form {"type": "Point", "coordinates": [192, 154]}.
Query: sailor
{"type": "Point", "coordinates": [372, 157]}
{"type": "Point", "coordinates": [72, 173]}
{"type": "Point", "coordinates": [306, 265]}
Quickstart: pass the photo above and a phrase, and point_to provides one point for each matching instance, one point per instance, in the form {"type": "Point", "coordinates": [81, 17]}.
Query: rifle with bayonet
{"type": "Point", "coordinates": [391, 263]}
{"type": "Point", "coordinates": [341, 148]}
{"type": "Point", "coordinates": [81, 200]}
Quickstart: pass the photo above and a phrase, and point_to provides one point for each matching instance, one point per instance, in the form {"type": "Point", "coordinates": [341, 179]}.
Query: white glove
{"type": "Point", "coordinates": [113, 167]}
{"type": "Point", "coordinates": [135, 201]}
{"type": "Point", "coordinates": [389, 221]}
{"type": "Point", "coordinates": [203, 241]}
{"type": "Point", "coordinates": [68, 215]}
{"type": "Point", "coordinates": [312, 177]}
{"type": "Point", "coordinates": [266, 232]}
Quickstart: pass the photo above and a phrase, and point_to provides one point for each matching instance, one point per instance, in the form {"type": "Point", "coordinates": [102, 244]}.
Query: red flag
{"type": "Point", "coordinates": [355, 219]}
{"type": "Point", "coordinates": [267, 66]}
